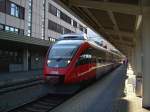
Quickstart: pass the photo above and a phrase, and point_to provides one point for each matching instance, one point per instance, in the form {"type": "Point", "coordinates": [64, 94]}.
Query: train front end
{"type": "Point", "coordinates": [59, 63]}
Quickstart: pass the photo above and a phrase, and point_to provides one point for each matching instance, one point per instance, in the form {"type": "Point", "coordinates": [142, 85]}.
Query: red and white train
{"type": "Point", "coordinates": [75, 59]}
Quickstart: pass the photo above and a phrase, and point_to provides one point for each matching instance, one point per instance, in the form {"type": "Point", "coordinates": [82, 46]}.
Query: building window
{"type": "Point", "coordinates": [2, 6]}
{"type": "Point", "coordinates": [7, 28]}
{"type": "Point", "coordinates": [11, 8]}
{"type": "Point", "coordinates": [85, 30]}
{"type": "Point", "coordinates": [74, 23]}
{"type": "Point", "coordinates": [59, 29]}
{"type": "Point", "coordinates": [51, 39]}
{"type": "Point", "coordinates": [1, 27]}
{"type": "Point", "coordinates": [14, 10]}
{"type": "Point", "coordinates": [81, 28]}
{"type": "Point", "coordinates": [67, 31]}
{"type": "Point", "coordinates": [52, 10]}
{"type": "Point", "coordinates": [13, 29]}
{"type": "Point", "coordinates": [64, 17]}
{"type": "Point", "coordinates": [55, 27]}
{"type": "Point", "coordinates": [58, 13]}
{"type": "Point", "coordinates": [52, 25]}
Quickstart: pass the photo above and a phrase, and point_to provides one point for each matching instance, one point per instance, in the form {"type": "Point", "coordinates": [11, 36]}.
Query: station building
{"type": "Point", "coordinates": [27, 28]}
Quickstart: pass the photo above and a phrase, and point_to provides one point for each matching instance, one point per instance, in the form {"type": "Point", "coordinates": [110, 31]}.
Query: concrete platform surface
{"type": "Point", "coordinates": [15, 77]}
{"type": "Point", "coordinates": [113, 93]}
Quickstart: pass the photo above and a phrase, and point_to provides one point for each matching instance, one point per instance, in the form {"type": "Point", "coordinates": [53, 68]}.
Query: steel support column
{"type": "Point", "coordinates": [146, 55]}
{"type": "Point", "coordinates": [138, 73]}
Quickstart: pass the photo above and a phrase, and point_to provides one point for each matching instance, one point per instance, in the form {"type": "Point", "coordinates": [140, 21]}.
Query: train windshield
{"type": "Point", "coordinates": [60, 55]}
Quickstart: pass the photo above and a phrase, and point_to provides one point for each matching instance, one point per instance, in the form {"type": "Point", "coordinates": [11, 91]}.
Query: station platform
{"type": "Point", "coordinates": [112, 93]}
{"type": "Point", "coordinates": [16, 77]}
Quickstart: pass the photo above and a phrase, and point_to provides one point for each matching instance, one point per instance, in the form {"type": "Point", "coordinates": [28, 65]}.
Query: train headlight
{"type": "Point", "coordinates": [68, 61]}
{"type": "Point", "coordinates": [48, 61]}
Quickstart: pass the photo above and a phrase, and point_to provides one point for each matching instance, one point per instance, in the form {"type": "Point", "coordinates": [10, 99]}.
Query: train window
{"type": "Point", "coordinates": [60, 55]}
{"type": "Point", "coordinates": [85, 58]}
{"type": "Point", "coordinates": [62, 51]}
{"type": "Point", "coordinates": [93, 60]}
{"type": "Point", "coordinates": [99, 60]}
{"type": "Point", "coordinates": [80, 61]}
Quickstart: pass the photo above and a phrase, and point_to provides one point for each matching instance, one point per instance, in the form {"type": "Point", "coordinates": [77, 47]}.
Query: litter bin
{"type": "Point", "coordinates": [138, 85]}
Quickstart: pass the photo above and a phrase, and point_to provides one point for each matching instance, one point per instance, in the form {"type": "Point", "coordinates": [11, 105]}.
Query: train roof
{"type": "Point", "coordinates": [79, 42]}
{"type": "Point", "coordinates": [73, 42]}
{"type": "Point", "coordinates": [93, 44]}
{"type": "Point", "coordinates": [73, 36]}
{"type": "Point", "coordinates": [78, 39]}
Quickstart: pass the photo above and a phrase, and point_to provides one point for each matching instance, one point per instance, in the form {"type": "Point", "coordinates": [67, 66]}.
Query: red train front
{"type": "Point", "coordinates": [61, 62]}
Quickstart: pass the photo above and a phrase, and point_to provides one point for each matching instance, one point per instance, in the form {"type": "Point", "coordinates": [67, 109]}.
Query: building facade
{"type": "Point", "coordinates": [39, 21]}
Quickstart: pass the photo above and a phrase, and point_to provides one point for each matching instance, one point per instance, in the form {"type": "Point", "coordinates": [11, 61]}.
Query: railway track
{"type": "Point", "coordinates": [43, 104]}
